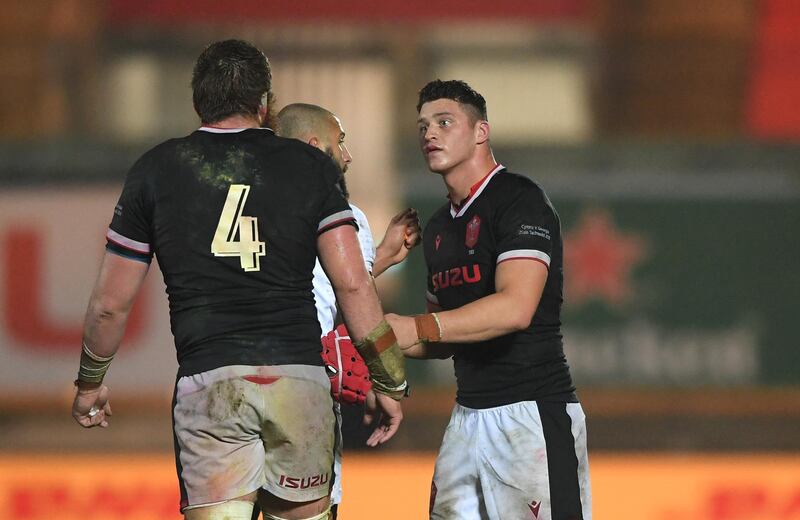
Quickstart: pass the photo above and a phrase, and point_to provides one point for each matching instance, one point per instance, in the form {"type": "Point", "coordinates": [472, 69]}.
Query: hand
{"type": "Point", "coordinates": [405, 329]}
{"type": "Point", "coordinates": [91, 407]}
{"type": "Point", "coordinates": [413, 236]}
{"type": "Point", "coordinates": [402, 235]}
{"type": "Point", "coordinates": [391, 415]}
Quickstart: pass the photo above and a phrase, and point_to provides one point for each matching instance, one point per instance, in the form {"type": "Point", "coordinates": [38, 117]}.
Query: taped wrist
{"type": "Point", "coordinates": [384, 360]}
{"type": "Point", "coordinates": [93, 367]}
{"type": "Point", "coordinates": [429, 328]}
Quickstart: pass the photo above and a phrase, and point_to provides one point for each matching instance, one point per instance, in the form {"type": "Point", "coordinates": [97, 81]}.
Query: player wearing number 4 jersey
{"type": "Point", "coordinates": [236, 217]}
{"type": "Point", "coordinates": [515, 447]}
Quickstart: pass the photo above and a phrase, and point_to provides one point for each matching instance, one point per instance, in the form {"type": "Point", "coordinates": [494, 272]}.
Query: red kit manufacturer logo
{"type": "Point", "coordinates": [473, 230]}
{"type": "Point", "coordinates": [437, 241]}
{"type": "Point", "coordinates": [534, 507]}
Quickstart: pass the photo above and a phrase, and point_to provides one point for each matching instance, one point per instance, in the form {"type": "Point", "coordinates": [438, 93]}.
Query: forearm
{"type": "Point", "coordinates": [103, 328]}
{"type": "Point", "coordinates": [430, 336]}
{"type": "Point", "coordinates": [483, 319]}
{"type": "Point", "coordinates": [356, 297]}
{"type": "Point", "coordinates": [519, 286]}
{"type": "Point", "coordinates": [112, 299]}
{"type": "Point", "coordinates": [383, 261]}
{"type": "Point", "coordinates": [489, 317]}
{"type": "Point", "coordinates": [424, 350]}
{"type": "Point", "coordinates": [510, 309]}
{"type": "Point", "coordinates": [408, 338]}
{"type": "Point", "coordinates": [361, 309]}
{"type": "Point", "coordinates": [374, 339]}
{"type": "Point", "coordinates": [359, 305]}
{"type": "Point", "coordinates": [402, 235]}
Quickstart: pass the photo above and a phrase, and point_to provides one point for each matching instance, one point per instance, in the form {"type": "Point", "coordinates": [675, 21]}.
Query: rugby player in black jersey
{"type": "Point", "coordinates": [515, 447]}
{"type": "Point", "coordinates": [236, 217]}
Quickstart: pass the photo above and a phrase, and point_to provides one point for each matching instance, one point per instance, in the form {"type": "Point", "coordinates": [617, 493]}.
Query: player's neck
{"type": "Point", "coordinates": [462, 178]}
{"type": "Point", "coordinates": [236, 121]}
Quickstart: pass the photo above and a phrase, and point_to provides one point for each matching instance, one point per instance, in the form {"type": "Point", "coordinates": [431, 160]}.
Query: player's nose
{"type": "Point", "coordinates": [346, 156]}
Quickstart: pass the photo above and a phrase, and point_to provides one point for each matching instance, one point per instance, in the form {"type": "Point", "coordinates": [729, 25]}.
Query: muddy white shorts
{"type": "Point", "coordinates": [241, 428]}
{"type": "Point", "coordinates": [336, 486]}
{"type": "Point", "coordinates": [525, 460]}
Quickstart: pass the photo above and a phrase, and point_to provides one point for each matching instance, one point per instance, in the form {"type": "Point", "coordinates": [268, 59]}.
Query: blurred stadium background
{"type": "Point", "coordinates": [667, 133]}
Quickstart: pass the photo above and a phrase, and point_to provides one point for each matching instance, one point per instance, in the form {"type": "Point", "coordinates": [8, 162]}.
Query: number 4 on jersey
{"type": "Point", "coordinates": [247, 248]}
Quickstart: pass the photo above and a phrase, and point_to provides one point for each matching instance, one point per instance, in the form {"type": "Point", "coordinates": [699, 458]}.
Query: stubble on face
{"type": "Point", "coordinates": [343, 168]}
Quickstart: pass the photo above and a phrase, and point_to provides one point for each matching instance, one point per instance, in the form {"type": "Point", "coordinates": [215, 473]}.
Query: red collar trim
{"type": "Point", "coordinates": [457, 208]}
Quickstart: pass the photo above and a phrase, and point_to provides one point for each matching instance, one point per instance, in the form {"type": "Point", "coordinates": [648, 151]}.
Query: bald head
{"type": "Point", "coordinates": [303, 121]}
{"type": "Point", "coordinates": [316, 126]}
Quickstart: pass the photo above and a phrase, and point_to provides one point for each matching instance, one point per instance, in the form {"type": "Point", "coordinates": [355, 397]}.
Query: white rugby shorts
{"type": "Point", "coordinates": [336, 487]}
{"type": "Point", "coordinates": [525, 460]}
{"type": "Point", "coordinates": [241, 428]}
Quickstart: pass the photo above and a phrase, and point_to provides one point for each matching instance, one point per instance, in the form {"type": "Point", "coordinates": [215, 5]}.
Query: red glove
{"type": "Point", "coordinates": [346, 368]}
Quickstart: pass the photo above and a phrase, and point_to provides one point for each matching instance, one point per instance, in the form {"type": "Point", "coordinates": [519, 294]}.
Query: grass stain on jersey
{"type": "Point", "coordinates": [237, 167]}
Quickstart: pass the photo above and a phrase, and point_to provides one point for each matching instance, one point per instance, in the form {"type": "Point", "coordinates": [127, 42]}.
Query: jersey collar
{"type": "Point", "coordinates": [215, 130]}
{"type": "Point", "coordinates": [456, 210]}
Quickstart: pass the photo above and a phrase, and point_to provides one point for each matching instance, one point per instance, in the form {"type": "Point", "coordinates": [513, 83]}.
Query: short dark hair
{"type": "Point", "coordinates": [230, 78]}
{"type": "Point", "coordinates": [456, 90]}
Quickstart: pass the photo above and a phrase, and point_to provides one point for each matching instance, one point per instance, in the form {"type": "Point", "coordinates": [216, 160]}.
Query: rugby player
{"type": "Point", "coordinates": [323, 129]}
{"type": "Point", "coordinates": [515, 447]}
{"type": "Point", "coordinates": [236, 217]}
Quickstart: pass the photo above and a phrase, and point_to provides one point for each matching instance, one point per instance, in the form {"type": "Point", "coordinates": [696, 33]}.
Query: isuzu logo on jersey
{"type": "Point", "coordinates": [473, 230]}
{"type": "Point", "coordinates": [303, 483]}
{"type": "Point", "coordinates": [456, 276]}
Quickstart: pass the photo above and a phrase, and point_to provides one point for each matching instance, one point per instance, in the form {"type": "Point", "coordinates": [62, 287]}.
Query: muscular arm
{"type": "Point", "coordinates": [109, 306]}
{"type": "Point", "coordinates": [519, 285]}
{"type": "Point", "coordinates": [112, 299]}
{"type": "Point", "coordinates": [340, 256]}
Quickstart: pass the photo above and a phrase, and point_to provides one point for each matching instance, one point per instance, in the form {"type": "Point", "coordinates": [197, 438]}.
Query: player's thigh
{"type": "Point", "coordinates": [529, 462]}
{"type": "Point", "coordinates": [216, 423]}
{"type": "Point", "coordinates": [240, 508]}
{"type": "Point", "coordinates": [455, 489]}
{"type": "Point", "coordinates": [298, 435]}
{"type": "Point", "coordinates": [276, 507]}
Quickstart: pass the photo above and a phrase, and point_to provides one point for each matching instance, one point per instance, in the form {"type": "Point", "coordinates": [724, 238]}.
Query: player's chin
{"type": "Point", "coordinates": [437, 166]}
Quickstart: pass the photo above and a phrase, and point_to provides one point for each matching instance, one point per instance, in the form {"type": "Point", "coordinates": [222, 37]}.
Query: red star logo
{"type": "Point", "coordinates": [534, 506]}
{"type": "Point", "coordinates": [598, 260]}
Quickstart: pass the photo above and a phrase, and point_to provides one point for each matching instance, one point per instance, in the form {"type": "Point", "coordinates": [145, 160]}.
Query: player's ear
{"type": "Point", "coordinates": [263, 109]}
{"type": "Point", "coordinates": [481, 131]}
{"type": "Point", "coordinates": [314, 141]}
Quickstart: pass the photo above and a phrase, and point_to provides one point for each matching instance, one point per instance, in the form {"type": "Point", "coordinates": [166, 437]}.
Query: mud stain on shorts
{"type": "Point", "coordinates": [225, 398]}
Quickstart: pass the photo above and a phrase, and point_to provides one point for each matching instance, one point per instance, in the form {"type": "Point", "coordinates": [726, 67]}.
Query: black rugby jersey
{"type": "Point", "coordinates": [507, 216]}
{"type": "Point", "coordinates": [232, 217]}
